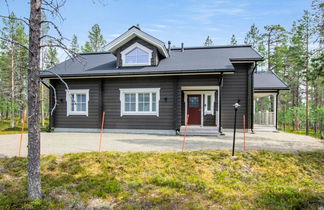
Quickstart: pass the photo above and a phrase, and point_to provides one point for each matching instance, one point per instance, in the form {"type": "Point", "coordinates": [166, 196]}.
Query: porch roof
{"type": "Point", "coordinates": [267, 81]}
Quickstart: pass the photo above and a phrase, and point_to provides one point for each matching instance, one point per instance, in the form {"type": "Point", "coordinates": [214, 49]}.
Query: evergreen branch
{"type": "Point", "coordinates": [16, 43]}
{"type": "Point", "coordinates": [15, 18]}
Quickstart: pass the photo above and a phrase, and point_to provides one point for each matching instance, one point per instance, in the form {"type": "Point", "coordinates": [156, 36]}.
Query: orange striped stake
{"type": "Point", "coordinates": [22, 132]}
{"type": "Point", "coordinates": [185, 133]}
{"type": "Point", "coordinates": [101, 130]}
{"type": "Point", "coordinates": [244, 131]}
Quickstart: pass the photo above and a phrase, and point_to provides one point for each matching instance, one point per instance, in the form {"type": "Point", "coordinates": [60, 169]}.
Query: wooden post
{"type": "Point", "coordinates": [22, 132]}
{"type": "Point", "coordinates": [244, 131]}
{"type": "Point", "coordinates": [185, 133]}
{"type": "Point", "coordinates": [101, 130]}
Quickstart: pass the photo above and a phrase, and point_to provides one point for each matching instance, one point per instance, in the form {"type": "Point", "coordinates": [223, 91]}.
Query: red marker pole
{"type": "Point", "coordinates": [244, 131]}
{"type": "Point", "coordinates": [185, 133]}
{"type": "Point", "coordinates": [22, 132]}
{"type": "Point", "coordinates": [101, 130]}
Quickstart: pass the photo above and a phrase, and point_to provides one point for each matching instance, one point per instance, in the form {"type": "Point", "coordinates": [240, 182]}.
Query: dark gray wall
{"type": "Point", "coordinates": [60, 119]}
{"type": "Point", "coordinates": [171, 105]}
{"type": "Point", "coordinates": [235, 87]}
{"type": "Point", "coordinates": [111, 97]}
{"type": "Point", "coordinates": [154, 60]}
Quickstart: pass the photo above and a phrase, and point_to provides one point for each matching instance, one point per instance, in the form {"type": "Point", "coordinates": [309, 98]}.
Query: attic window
{"type": "Point", "coordinates": [136, 55]}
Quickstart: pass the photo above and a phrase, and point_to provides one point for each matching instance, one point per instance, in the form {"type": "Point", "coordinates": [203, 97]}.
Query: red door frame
{"type": "Point", "coordinates": [194, 112]}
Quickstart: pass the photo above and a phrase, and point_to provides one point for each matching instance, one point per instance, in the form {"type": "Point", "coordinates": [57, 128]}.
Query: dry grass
{"type": "Point", "coordinates": [170, 180]}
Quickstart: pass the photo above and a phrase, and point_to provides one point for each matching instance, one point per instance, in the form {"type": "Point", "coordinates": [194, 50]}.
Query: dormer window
{"type": "Point", "coordinates": [136, 55]}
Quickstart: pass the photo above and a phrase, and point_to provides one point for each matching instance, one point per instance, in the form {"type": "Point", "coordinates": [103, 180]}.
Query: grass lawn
{"type": "Point", "coordinates": [169, 180]}
{"type": "Point", "coordinates": [6, 129]}
{"type": "Point", "coordinates": [289, 129]}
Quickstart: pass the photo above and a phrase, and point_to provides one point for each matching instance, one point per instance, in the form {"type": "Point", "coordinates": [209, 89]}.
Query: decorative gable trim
{"type": "Point", "coordinates": [132, 47]}
{"type": "Point", "coordinates": [136, 32]}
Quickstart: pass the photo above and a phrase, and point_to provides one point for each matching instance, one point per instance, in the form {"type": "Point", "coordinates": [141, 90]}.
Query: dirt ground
{"type": "Point", "coordinates": [60, 143]}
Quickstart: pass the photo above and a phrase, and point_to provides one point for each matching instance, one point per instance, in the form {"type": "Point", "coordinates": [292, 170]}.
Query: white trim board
{"type": "Point", "coordinates": [133, 32]}
{"type": "Point", "coordinates": [139, 75]}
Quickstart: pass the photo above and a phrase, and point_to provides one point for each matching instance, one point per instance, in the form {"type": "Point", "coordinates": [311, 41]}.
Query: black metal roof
{"type": "Point", "coordinates": [268, 80]}
{"type": "Point", "coordinates": [191, 60]}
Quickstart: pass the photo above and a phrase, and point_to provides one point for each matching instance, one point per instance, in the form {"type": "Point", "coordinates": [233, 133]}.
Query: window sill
{"type": "Point", "coordinates": [77, 114]}
{"type": "Point", "coordinates": [139, 114]}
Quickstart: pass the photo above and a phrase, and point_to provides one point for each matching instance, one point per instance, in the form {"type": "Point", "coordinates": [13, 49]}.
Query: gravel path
{"type": "Point", "coordinates": [60, 143]}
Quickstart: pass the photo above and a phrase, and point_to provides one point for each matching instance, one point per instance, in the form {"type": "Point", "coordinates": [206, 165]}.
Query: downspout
{"type": "Point", "coordinates": [220, 104]}
{"type": "Point", "coordinates": [49, 127]}
{"type": "Point", "coordinates": [252, 97]}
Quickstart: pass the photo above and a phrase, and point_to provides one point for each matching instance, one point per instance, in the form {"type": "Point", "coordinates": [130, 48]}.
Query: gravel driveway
{"type": "Point", "coordinates": [60, 143]}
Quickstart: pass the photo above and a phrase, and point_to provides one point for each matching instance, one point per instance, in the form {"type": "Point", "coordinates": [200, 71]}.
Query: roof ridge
{"type": "Point", "coordinates": [211, 47]}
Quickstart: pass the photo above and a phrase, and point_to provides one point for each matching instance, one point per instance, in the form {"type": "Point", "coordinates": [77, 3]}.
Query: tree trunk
{"type": "Point", "coordinates": [307, 69]}
{"type": "Point", "coordinates": [12, 111]}
{"type": "Point", "coordinates": [42, 89]}
{"type": "Point", "coordinates": [34, 182]}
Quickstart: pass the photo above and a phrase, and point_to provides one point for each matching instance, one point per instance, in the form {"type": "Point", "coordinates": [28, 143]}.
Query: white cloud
{"type": "Point", "coordinates": [151, 30]}
{"type": "Point", "coordinates": [205, 12]}
{"type": "Point", "coordinates": [158, 25]}
{"type": "Point", "coordinates": [114, 35]}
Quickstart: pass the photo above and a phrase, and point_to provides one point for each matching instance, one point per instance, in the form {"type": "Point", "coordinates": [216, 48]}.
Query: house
{"type": "Point", "coordinates": [145, 87]}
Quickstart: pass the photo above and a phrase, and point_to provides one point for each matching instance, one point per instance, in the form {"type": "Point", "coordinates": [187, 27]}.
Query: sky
{"type": "Point", "coordinates": [187, 21]}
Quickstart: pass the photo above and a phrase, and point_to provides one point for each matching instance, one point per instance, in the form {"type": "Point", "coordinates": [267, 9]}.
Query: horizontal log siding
{"type": "Point", "coordinates": [111, 94]}
{"type": "Point", "coordinates": [73, 121]}
{"type": "Point", "coordinates": [235, 87]}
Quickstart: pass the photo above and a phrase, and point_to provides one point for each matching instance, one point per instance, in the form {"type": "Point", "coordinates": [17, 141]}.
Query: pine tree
{"type": "Point", "coordinates": [74, 44]}
{"type": "Point", "coordinates": [274, 36]}
{"type": "Point", "coordinates": [13, 30]}
{"type": "Point", "coordinates": [233, 40]}
{"type": "Point", "coordinates": [254, 38]}
{"type": "Point", "coordinates": [208, 42]}
{"type": "Point", "coordinates": [51, 57]}
{"type": "Point", "coordinates": [96, 41]}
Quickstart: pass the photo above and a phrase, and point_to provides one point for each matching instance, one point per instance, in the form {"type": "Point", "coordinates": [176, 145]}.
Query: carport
{"type": "Point", "coordinates": [267, 86]}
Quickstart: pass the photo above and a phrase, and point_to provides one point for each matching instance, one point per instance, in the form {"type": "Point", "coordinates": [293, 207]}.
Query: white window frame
{"type": "Point", "coordinates": [132, 47]}
{"type": "Point", "coordinates": [212, 95]}
{"type": "Point", "coordinates": [69, 98]}
{"type": "Point", "coordinates": [137, 91]}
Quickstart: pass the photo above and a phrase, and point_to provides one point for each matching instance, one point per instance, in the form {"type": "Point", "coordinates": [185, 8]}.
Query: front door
{"type": "Point", "coordinates": [194, 109]}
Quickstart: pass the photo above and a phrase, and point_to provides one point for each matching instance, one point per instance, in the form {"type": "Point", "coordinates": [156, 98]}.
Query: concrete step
{"type": "Point", "coordinates": [199, 131]}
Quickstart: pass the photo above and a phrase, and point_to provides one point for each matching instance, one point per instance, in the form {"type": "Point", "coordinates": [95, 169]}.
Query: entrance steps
{"type": "Point", "coordinates": [199, 131]}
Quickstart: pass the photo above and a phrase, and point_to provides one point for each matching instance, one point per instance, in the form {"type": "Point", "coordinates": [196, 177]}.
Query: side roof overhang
{"type": "Point", "coordinates": [133, 32]}
{"type": "Point", "coordinates": [268, 81]}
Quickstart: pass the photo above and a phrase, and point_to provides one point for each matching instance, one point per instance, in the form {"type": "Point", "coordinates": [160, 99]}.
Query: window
{"type": "Point", "coordinates": [209, 103]}
{"type": "Point", "coordinates": [136, 55]}
{"type": "Point", "coordinates": [77, 102]}
{"type": "Point", "coordinates": [143, 101]}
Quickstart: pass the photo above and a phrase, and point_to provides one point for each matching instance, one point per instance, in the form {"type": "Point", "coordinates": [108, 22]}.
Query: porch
{"type": "Point", "coordinates": [265, 110]}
